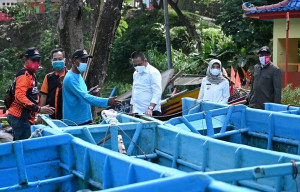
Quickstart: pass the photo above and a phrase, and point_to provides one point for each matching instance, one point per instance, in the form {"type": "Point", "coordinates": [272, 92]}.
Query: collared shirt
{"type": "Point", "coordinates": [77, 101]}
{"type": "Point", "coordinates": [146, 89]}
{"type": "Point", "coordinates": [218, 93]}
{"type": "Point", "coordinates": [265, 86]}
{"type": "Point", "coordinates": [52, 87]}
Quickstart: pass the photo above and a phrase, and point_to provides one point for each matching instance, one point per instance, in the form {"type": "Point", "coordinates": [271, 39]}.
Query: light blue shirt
{"type": "Point", "coordinates": [76, 100]}
{"type": "Point", "coordinates": [146, 89]}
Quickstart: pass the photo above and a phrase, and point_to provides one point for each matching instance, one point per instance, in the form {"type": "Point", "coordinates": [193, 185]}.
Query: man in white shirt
{"type": "Point", "coordinates": [146, 90]}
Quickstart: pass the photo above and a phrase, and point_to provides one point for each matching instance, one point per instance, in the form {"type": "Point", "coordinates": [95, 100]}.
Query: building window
{"type": "Point", "coordinates": [3, 4]}
{"type": "Point", "coordinates": [7, 3]}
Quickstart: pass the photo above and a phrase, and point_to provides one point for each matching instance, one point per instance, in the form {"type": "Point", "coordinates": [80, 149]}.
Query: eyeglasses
{"type": "Point", "coordinates": [37, 59]}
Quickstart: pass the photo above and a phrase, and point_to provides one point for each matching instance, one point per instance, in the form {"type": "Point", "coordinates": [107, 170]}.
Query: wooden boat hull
{"type": "Point", "coordinates": [174, 103]}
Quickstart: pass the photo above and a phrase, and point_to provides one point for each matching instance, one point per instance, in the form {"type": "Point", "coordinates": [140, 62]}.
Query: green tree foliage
{"type": "Point", "coordinates": [248, 34]}
{"type": "Point", "coordinates": [146, 32]}
{"type": "Point", "coordinates": [10, 64]}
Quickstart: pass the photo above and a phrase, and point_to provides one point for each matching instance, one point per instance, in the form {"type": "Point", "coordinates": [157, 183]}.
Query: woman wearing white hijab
{"type": "Point", "coordinates": [214, 86]}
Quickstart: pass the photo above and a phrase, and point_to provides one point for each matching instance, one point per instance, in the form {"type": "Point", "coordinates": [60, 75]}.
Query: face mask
{"type": "Point", "coordinates": [215, 72]}
{"type": "Point", "coordinates": [140, 69]}
{"type": "Point", "coordinates": [58, 65]}
{"type": "Point", "coordinates": [33, 65]}
{"type": "Point", "coordinates": [264, 60]}
{"type": "Point", "coordinates": [82, 67]}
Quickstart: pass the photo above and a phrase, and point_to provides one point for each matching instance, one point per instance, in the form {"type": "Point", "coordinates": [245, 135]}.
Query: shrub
{"type": "Point", "coordinates": [290, 96]}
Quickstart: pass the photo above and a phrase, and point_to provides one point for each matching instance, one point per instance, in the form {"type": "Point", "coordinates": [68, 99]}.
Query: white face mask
{"type": "Point", "coordinates": [264, 60]}
{"type": "Point", "coordinates": [215, 72]}
{"type": "Point", "coordinates": [140, 69]}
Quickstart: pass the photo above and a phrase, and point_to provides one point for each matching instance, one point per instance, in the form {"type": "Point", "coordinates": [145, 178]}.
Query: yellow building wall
{"type": "Point", "coordinates": [279, 41]}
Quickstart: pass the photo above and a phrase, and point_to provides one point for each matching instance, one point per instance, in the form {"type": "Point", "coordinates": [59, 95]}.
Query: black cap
{"type": "Point", "coordinates": [264, 49]}
{"type": "Point", "coordinates": [81, 53]}
{"type": "Point", "coordinates": [32, 52]}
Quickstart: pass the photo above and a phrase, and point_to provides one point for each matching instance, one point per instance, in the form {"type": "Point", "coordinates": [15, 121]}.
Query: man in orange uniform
{"type": "Point", "coordinates": [23, 110]}
{"type": "Point", "coordinates": [52, 86]}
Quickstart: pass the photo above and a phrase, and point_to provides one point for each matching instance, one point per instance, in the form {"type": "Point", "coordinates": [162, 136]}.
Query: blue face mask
{"type": "Point", "coordinates": [58, 65]}
{"type": "Point", "coordinates": [82, 67]}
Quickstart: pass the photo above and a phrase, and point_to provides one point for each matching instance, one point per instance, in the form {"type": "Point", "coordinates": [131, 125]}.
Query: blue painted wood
{"type": "Point", "coordinates": [289, 109]}
{"type": "Point", "coordinates": [176, 152]}
{"type": "Point", "coordinates": [282, 128]}
{"type": "Point", "coordinates": [271, 132]}
{"type": "Point", "coordinates": [22, 174]}
{"type": "Point", "coordinates": [193, 182]}
{"type": "Point", "coordinates": [64, 163]}
{"type": "Point", "coordinates": [113, 92]}
{"type": "Point", "coordinates": [226, 121]}
{"type": "Point", "coordinates": [134, 139]}
{"type": "Point", "coordinates": [190, 126]}
{"type": "Point", "coordinates": [191, 152]}
{"type": "Point", "coordinates": [114, 138]}
{"type": "Point", "coordinates": [190, 106]}
{"type": "Point", "coordinates": [209, 123]}
{"type": "Point", "coordinates": [87, 133]}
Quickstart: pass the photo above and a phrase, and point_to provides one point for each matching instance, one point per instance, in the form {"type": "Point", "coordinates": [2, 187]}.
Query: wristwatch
{"type": "Point", "coordinates": [150, 107]}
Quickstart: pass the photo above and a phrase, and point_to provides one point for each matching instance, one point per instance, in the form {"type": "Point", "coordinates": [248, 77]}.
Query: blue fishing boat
{"type": "Point", "coordinates": [62, 163]}
{"type": "Point", "coordinates": [242, 165]}
{"type": "Point", "coordinates": [240, 124]}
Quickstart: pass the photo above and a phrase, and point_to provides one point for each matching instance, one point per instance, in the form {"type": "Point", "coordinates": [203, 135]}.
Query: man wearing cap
{"type": "Point", "coordinates": [52, 86]}
{"type": "Point", "coordinates": [76, 99]}
{"type": "Point", "coordinates": [266, 81]}
{"type": "Point", "coordinates": [23, 110]}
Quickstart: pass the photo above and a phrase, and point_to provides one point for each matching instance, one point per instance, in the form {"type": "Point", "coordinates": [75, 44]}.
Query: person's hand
{"type": "Point", "coordinates": [94, 90]}
{"type": "Point", "coordinates": [149, 112]}
{"type": "Point", "coordinates": [47, 110]}
{"type": "Point", "coordinates": [112, 101]}
{"type": "Point", "coordinates": [38, 120]}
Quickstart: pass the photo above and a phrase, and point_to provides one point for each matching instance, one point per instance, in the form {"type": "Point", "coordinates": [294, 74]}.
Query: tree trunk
{"type": "Point", "coordinates": [157, 5]}
{"type": "Point", "coordinates": [70, 27]}
{"type": "Point", "coordinates": [161, 4]}
{"type": "Point", "coordinates": [92, 19]}
{"type": "Point", "coordinates": [142, 5]}
{"type": "Point", "coordinates": [191, 29]}
{"type": "Point", "coordinates": [105, 35]}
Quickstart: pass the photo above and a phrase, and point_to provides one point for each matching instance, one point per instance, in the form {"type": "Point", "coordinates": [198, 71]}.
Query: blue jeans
{"type": "Point", "coordinates": [21, 127]}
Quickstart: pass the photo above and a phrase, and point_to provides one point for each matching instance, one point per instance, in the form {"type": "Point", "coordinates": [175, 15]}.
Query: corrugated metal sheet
{"type": "Point", "coordinates": [189, 80]}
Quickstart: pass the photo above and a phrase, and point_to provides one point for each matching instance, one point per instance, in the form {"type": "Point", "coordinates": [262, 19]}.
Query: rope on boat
{"type": "Point", "coordinates": [70, 121]}
{"type": "Point", "coordinates": [295, 173]}
{"type": "Point", "coordinates": [105, 138]}
{"type": "Point", "coordinates": [146, 158]}
{"type": "Point", "coordinates": [36, 133]}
